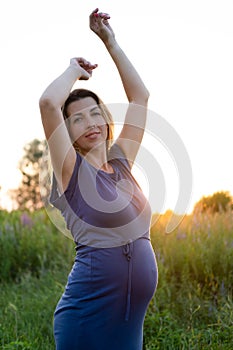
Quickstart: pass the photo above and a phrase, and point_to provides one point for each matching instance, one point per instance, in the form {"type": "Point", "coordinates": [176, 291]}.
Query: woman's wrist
{"type": "Point", "coordinates": [111, 43]}
{"type": "Point", "coordinates": [75, 71]}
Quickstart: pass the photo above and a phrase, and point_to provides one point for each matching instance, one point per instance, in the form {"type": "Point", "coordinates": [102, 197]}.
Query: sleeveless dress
{"type": "Point", "coordinates": [114, 275]}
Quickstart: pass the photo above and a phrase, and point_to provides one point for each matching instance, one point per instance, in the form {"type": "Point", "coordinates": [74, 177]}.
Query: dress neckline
{"type": "Point", "coordinates": [113, 173]}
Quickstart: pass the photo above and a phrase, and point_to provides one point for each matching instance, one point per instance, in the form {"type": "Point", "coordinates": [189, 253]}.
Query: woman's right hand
{"type": "Point", "coordinates": [99, 25]}
{"type": "Point", "coordinates": [84, 66]}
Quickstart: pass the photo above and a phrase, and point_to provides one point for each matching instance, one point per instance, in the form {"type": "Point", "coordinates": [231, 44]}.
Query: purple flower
{"type": "Point", "coordinates": [26, 220]}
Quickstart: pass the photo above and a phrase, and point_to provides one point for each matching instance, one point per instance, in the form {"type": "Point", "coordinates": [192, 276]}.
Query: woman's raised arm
{"type": "Point", "coordinates": [137, 94]}
{"type": "Point", "coordinates": [62, 153]}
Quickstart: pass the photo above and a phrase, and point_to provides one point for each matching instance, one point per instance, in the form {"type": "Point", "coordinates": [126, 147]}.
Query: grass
{"type": "Point", "coordinates": [27, 311]}
{"type": "Point", "coordinates": [192, 308]}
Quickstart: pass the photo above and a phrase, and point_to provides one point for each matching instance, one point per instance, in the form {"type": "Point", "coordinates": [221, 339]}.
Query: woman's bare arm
{"type": "Point", "coordinates": [137, 94]}
{"type": "Point", "coordinates": [62, 153]}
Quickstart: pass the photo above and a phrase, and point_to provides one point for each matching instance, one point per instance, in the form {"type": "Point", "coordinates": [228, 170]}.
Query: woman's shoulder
{"type": "Point", "coordinates": [117, 154]}
{"type": "Point", "coordinates": [59, 199]}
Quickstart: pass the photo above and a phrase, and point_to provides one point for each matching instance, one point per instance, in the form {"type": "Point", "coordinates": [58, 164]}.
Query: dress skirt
{"type": "Point", "coordinates": [106, 297]}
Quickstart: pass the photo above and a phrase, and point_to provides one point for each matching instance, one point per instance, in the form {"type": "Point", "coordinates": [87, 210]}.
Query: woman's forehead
{"type": "Point", "coordinates": [86, 103]}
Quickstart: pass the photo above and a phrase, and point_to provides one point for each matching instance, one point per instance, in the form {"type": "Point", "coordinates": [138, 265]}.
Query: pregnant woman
{"type": "Point", "coordinates": [114, 275]}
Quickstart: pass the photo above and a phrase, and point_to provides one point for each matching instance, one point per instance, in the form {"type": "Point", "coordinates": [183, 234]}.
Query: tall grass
{"type": "Point", "coordinates": [30, 243]}
{"type": "Point", "coordinates": [192, 307]}
{"type": "Point", "coordinates": [35, 261]}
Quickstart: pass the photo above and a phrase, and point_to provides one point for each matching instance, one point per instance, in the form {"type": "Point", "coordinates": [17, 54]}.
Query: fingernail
{"type": "Point", "coordinates": [96, 15]}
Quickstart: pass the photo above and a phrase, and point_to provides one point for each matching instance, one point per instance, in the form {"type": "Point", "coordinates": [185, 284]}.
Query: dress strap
{"type": "Point", "coordinates": [128, 252]}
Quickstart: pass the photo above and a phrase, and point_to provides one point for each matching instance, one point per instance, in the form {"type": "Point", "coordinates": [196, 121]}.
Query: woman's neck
{"type": "Point", "coordinates": [97, 157]}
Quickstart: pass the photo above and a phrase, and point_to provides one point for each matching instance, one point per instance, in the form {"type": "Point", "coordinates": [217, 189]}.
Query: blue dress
{"type": "Point", "coordinates": [114, 275]}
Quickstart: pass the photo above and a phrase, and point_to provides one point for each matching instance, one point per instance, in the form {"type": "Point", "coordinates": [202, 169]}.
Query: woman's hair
{"type": "Point", "coordinates": [78, 94]}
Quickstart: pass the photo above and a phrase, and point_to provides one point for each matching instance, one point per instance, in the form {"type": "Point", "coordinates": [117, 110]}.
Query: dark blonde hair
{"type": "Point", "coordinates": [79, 94]}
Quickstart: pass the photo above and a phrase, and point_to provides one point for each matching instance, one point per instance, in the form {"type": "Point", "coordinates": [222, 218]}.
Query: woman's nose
{"type": "Point", "coordinates": [90, 122]}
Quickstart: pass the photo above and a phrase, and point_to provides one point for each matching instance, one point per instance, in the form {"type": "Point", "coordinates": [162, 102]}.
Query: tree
{"type": "Point", "coordinates": [28, 194]}
{"type": "Point", "coordinates": [219, 201]}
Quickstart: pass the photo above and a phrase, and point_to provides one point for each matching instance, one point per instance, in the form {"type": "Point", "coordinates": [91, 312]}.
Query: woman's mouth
{"type": "Point", "coordinates": [93, 134]}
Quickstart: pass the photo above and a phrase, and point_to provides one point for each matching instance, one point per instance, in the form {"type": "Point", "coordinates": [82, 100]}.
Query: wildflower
{"type": "Point", "coordinates": [26, 220]}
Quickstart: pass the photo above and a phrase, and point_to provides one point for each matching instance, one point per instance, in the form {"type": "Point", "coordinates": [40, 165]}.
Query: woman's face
{"type": "Point", "coordinates": [86, 124]}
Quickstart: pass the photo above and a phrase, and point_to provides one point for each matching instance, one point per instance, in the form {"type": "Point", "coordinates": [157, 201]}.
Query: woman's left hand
{"type": "Point", "coordinates": [99, 25]}
{"type": "Point", "coordinates": [85, 67]}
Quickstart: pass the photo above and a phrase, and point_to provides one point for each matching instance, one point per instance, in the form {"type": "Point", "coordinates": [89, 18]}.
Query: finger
{"type": "Point", "coordinates": [87, 65]}
{"type": "Point", "coordinates": [95, 12]}
{"type": "Point", "coordinates": [90, 65]}
{"type": "Point", "coordinates": [90, 68]}
{"type": "Point", "coordinates": [82, 61]}
{"type": "Point", "coordinates": [104, 15]}
{"type": "Point", "coordinates": [94, 66]}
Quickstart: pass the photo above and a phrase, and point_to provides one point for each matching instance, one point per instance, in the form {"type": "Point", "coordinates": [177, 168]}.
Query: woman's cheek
{"type": "Point", "coordinates": [76, 134]}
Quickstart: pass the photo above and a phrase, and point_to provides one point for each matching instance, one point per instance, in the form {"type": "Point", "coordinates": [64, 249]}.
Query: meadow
{"type": "Point", "coordinates": [192, 307]}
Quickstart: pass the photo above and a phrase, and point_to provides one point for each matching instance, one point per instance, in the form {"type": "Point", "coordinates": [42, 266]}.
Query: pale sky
{"type": "Point", "coordinates": [182, 49]}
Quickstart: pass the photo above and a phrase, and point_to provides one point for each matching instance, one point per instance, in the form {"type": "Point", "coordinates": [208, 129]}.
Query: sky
{"type": "Point", "coordinates": [183, 51]}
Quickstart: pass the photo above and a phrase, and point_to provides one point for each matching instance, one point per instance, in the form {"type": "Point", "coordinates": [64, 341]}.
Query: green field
{"type": "Point", "coordinates": [192, 308]}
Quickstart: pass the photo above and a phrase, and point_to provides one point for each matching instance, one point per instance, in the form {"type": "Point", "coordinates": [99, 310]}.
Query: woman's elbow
{"type": "Point", "coordinates": [46, 104]}
{"type": "Point", "coordinates": [142, 98]}
{"type": "Point", "coordinates": [146, 95]}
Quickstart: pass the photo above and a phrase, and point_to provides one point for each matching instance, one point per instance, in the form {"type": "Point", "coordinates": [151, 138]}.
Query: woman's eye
{"type": "Point", "coordinates": [78, 119]}
{"type": "Point", "coordinates": [96, 114]}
